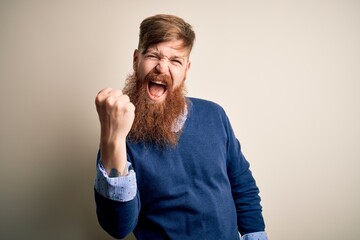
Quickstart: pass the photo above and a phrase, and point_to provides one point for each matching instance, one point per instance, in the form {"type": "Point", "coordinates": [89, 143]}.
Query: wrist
{"type": "Point", "coordinates": [115, 173]}
{"type": "Point", "coordinates": [113, 155]}
{"type": "Point", "coordinates": [112, 141]}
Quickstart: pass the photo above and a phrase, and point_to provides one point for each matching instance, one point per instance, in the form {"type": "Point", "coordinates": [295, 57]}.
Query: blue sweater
{"type": "Point", "coordinates": [201, 189]}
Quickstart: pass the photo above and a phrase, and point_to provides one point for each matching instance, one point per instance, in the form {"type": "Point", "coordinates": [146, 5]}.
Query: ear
{"type": "Point", "coordinates": [188, 65]}
{"type": "Point", "coordinates": [135, 58]}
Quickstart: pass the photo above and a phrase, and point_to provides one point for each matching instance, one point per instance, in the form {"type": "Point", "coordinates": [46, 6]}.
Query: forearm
{"type": "Point", "coordinates": [246, 198]}
{"type": "Point", "coordinates": [117, 218]}
{"type": "Point", "coordinates": [113, 156]}
{"type": "Point", "coordinates": [249, 209]}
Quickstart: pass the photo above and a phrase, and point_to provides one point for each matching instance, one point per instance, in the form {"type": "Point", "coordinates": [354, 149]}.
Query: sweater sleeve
{"type": "Point", "coordinates": [117, 202]}
{"type": "Point", "coordinates": [244, 189]}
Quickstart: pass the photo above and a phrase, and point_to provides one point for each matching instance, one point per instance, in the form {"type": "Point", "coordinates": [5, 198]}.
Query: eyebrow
{"type": "Point", "coordinates": [154, 50]}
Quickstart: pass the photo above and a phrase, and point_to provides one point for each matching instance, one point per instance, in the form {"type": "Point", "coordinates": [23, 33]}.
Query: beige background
{"type": "Point", "coordinates": [286, 72]}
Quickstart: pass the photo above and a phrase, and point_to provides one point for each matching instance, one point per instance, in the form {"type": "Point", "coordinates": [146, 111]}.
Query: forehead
{"type": "Point", "coordinates": [173, 47]}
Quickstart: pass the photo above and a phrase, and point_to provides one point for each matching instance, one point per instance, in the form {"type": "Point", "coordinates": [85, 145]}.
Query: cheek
{"type": "Point", "coordinates": [180, 75]}
{"type": "Point", "coordinates": [178, 78]}
{"type": "Point", "coordinates": [143, 70]}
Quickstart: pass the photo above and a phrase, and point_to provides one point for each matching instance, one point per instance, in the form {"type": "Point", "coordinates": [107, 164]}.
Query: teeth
{"type": "Point", "coordinates": [158, 82]}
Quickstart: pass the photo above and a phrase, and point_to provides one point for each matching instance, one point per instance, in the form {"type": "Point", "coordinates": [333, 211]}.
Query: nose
{"type": "Point", "coordinates": [162, 66]}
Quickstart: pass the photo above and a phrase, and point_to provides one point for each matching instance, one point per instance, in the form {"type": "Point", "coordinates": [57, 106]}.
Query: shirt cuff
{"type": "Point", "coordinates": [254, 236]}
{"type": "Point", "coordinates": [121, 189]}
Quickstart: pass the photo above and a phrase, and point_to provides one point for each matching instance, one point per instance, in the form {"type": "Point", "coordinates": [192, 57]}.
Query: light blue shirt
{"type": "Point", "coordinates": [122, 188]}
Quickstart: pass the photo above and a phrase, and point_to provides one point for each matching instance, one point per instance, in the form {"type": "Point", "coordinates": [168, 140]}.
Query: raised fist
{"type": "Point", "coordinates": [116, 115]}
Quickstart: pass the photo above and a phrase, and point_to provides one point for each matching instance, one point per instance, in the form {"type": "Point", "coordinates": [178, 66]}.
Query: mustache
{"type": "Point", "coordinates": [156, 77]}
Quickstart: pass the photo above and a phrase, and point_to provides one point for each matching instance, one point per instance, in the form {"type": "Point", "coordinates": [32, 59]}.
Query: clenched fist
{"type": "Point", "coordinates": [116, 115]}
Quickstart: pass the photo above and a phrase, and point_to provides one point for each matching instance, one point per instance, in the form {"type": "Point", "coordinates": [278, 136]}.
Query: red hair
{"type": "Point", "coordinates": [162, 28]}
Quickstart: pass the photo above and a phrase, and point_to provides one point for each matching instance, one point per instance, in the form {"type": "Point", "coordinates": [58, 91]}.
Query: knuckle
{"type": "Point", "coordinates": [118, 106]}
{"type": "Point", "coordinates": [101, 96]}
{"type": "Point", "coordinates": [125, 98]}
{"type": "Point", "coordinates": [105, 90]}
{"type": "Point", "coordinates": [98, 100]}
{"type": "Point", "coordinates": [130, 107]}
{"type": "Point", "coordinates": [109, 102]}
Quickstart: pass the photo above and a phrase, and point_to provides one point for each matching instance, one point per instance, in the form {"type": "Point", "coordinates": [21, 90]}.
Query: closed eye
{"type": "Point", "coordinates": [151, 56]}
{"type": "Point", "coordinates": [176, 61]}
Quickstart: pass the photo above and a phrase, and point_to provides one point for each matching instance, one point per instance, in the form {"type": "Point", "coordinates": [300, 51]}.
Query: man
{"type": "Point", "coordinates": [169, 166]}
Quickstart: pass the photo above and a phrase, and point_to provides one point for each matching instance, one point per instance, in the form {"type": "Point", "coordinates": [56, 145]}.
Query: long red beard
{"type": "Point", "coordinates": [155, 122]}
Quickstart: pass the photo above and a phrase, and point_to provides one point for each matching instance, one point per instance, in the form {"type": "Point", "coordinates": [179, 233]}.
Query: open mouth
{"type": "Point", "coordinates": [156, 89]}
